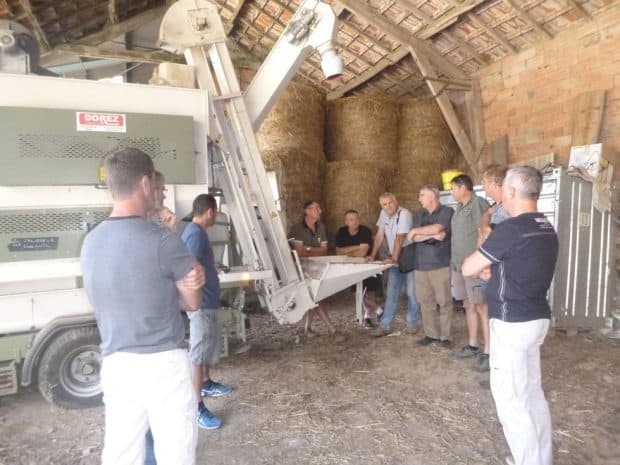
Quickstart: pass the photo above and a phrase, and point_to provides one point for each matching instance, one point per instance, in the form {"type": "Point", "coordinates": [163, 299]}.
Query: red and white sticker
{"type": "Point", "coordinates": [101, 122]}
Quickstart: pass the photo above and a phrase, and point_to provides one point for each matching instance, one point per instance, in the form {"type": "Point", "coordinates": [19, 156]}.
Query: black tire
{"type": "Point", "coordinates": [69, 370]}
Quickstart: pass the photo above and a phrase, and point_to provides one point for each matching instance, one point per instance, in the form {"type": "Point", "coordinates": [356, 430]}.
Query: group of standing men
{"type": "Point", "coordinates": [138, 274]}
{"type": "Point", "coordinates": [499, 260]}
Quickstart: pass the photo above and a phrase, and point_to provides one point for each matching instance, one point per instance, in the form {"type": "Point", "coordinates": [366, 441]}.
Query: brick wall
{"type": "Point", "coordinates": [530, 96]}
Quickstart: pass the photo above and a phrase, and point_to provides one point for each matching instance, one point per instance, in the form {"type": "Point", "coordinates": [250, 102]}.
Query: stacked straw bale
{"type": "Point", "coordinates": [361, 139]}
{"type": "Point", "coordinates": [426, 148]}
{"type": "Point", "coordinates": [291, 144]}
{"type": "Point", "coordinates": [362, 129]}
{"type": "Point", "coordinates": [352, 186]}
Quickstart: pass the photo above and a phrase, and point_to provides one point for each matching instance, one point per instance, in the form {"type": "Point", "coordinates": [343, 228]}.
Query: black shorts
{"type": "Point", "coordinates": [371, 284]}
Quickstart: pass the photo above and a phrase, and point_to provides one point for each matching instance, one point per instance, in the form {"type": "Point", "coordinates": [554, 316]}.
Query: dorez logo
{"type": "Point", "coordinates": [103, 122]}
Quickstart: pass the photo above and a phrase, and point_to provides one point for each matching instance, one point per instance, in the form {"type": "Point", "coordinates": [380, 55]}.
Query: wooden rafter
{"type": "Point", "coordinates": [388, 60]}
{"type": "Point", "coordinates": [428, 19]}
{"type": "Point", "coordinates": [90, 51]}
{"type": "Point", "coordinates": [529, 19]}
{"type": "Point", "coordinates": [476, 20]}
{"type": "Point", "coordinates": [112, 13]}
{"type": "Point", "coordinates": [114, 30]}
{"type": "Point", "coordinates": [231, 22]}
{"type": "Point", "coordinates": [404, 36]}
{"type": "Point", "coordinates": [470, 153]}
{"type": "Point", "coordinates": [36, 26]}
{"type": "Point", "coordinates": [579, 9]}
{"type": "Point", "coordinates": [450, 17]}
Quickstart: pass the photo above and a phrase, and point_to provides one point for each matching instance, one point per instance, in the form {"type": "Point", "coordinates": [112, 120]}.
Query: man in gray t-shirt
{"type": "Point", "coordinates": [137, 276]}
{"type": "Point", "coordinates": [393, 224]}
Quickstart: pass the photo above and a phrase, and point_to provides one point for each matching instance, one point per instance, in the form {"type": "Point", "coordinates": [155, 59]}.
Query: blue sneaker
{"type": "Point", "coordinates": [212, 389]}
{"type": "Point", "coordinates": [207, 420]}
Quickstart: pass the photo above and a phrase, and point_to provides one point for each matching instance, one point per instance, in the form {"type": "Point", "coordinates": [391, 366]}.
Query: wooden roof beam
{"type": "Point", "coordinates": [403, 36]}
{"type": "Point", "coordinates": [111, 32]}
{"type": "Point", "coordinates": [231, 22]}
{"type": "Point", "coordinates": [492, 32]}
{"type": "Point", "coordinates": [90, 51]}
{"type": "Point", "coordinates": [528, 18]}
{"type": "Point", "coordinates": [112, 13]}
{"type": "Point", "coordinates": [579, 9]}
{"type": "Point", "coordinates": [437, 88]}
{"type": "Point", "coordinates": [36, 26]}
{"type": "Point", "coordinates": [450, 17]}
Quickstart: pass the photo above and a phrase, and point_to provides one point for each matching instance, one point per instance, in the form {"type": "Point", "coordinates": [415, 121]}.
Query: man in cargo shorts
{"type": "Point", "coordinates": [205, 333]}
{"type": "Point", "coordinates": [137, 276]}
{"type": "Point", "coordinates": [465, 225]}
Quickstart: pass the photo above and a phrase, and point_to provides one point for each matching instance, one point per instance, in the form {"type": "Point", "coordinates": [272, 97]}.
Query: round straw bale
{"type": "Point", "coordinates": [300, 178]}
{"type": "Point", "coordinates": [354, 186]}
{"type": "Point", "coordinates": [296, 121]}
{"type": "Point", "coordinates": [362, 128]}
{"type": "Point", "coordinates": [424, 136]}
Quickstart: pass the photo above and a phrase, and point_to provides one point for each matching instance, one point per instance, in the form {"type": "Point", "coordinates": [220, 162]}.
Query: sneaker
{"type": "Point", "coordinates": [206, 419]}
{"type": "Point", "coordinates": [379, 332]}
{"type": "Point", "coordinates": [482, 364]}
{"type": "Point", "coordinates": [379, 315]}
{"type": "Point", "coordinates": [467, 351]}
{"type": "Point", "coordinates": [446, 344]}
{"type": "Point", "coordinates": [212, 389]}
{"type": "Point", "coordinates": [367, 323]}
{"type": "Point", "coordinates": [426, 341]}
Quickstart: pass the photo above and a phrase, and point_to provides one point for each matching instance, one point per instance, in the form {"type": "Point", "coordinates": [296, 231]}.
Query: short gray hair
{"type": "Point", "coordinates": [387, 195]}
{"type": "Point", "coordinates": [431, 188]}
{"type": "Point", "coordinates": [526, 180]}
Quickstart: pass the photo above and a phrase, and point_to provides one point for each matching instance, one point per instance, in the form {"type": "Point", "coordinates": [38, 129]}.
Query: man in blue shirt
{"type": "Point", "coordinates": [521, 253]}
{"type": "Point", "coordinates": [205, 333]}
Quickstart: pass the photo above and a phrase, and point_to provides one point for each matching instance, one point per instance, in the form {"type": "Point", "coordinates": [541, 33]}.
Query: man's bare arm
{"type": "Point", "coordinates": [398, 245]}
{"type": "Point", "coordinates": [475, 264]}
{"type": "Point", "coordinates": [377, 244]}
{"type": "Point", "coordinates": [360, 250]}
{"type": "Point", "coordinates": [190, 288]}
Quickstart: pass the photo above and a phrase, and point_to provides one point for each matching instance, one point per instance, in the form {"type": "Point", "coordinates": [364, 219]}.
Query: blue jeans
{"type": "Point", "coordinates": [149, 458]}
{"type": "Point", "coordinates": [395, 284]}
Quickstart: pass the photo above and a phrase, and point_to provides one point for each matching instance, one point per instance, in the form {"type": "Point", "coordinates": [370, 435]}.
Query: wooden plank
{"type": "Point", "coordinates": [450, 17]}
{"type": "Point", "coordinates": [112, 13]}
{"type": "Point", "coordinates": [404, 36]}
{"type": "Point", "coordinates": [386, 61]}
{"type": "Point", "coordinates": [228, 27]}
{"type": "Point", "coordinates": [39, 33]}
{"type": "Point", "coordinates": [579, 9]}
{"type": "Point", "coordinates": [588, 117]}
{"type": "Point", "coordinates": [113, 31]}
{"type": "Point", "coordinates": [449, 114]}
{"type": "Point", "coordinates": [498, 150]}
{"type": "Point", "coordinates": [473, 101]}
{"type": "Point", "coordinates": [478, 22]}
{"type": "Point", "coordinates": [529, 18]}
{"type": "Point", "coordinates": [122, 55]}
{"type": "Point", "coordinates": [465, 46]}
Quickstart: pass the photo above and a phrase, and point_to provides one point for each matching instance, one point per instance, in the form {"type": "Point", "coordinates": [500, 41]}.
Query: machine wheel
{"type": "Point", "coordinates": [69, 369]}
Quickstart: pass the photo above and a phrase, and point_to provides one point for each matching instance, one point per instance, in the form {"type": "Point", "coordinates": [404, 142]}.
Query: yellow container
{"type": "Point", "coordinates": [447, 177]}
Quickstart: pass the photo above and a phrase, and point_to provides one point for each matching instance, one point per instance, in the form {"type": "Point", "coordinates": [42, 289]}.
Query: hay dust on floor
{"type": "Point", "coordinates": [364, 401]}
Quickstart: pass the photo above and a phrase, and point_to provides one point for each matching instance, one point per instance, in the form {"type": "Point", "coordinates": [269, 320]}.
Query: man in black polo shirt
{"type": "Point", "coordinates": [355, 239]}
{"type": "Point", "coordinates": [522, 253]}
{"type": "Point", "coordinates": [309, 239]}
{"type": "Point", "coordinates": [431, 232]}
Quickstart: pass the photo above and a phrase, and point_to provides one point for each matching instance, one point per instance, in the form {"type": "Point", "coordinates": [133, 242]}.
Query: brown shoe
{"type": "Point", "coordinates": [411, 330]}
{"type": "Point", "coordinates": [379, 332]}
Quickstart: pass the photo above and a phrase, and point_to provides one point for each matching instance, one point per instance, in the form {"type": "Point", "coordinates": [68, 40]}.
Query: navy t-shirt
{"type": "Point", "coordinates": [523, 251]}
{"type": "Point", "coordinates": [197, 242]}
{"type": "Point", "coordinates": [345, 239]}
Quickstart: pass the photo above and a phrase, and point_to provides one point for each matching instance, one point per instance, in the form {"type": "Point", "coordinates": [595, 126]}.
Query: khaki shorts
{"type": "Point", "coordinates": [205, 337]}
{"type": "Point", "coordinates": [467, 288]}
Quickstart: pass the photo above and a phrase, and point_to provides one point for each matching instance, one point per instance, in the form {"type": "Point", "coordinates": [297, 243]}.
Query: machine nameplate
{"type": "Point", "coordinates": [25, 244]}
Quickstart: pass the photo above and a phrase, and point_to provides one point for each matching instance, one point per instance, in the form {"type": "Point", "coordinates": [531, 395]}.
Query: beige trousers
{"type": "Point", "coordinates": [432, 288]}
